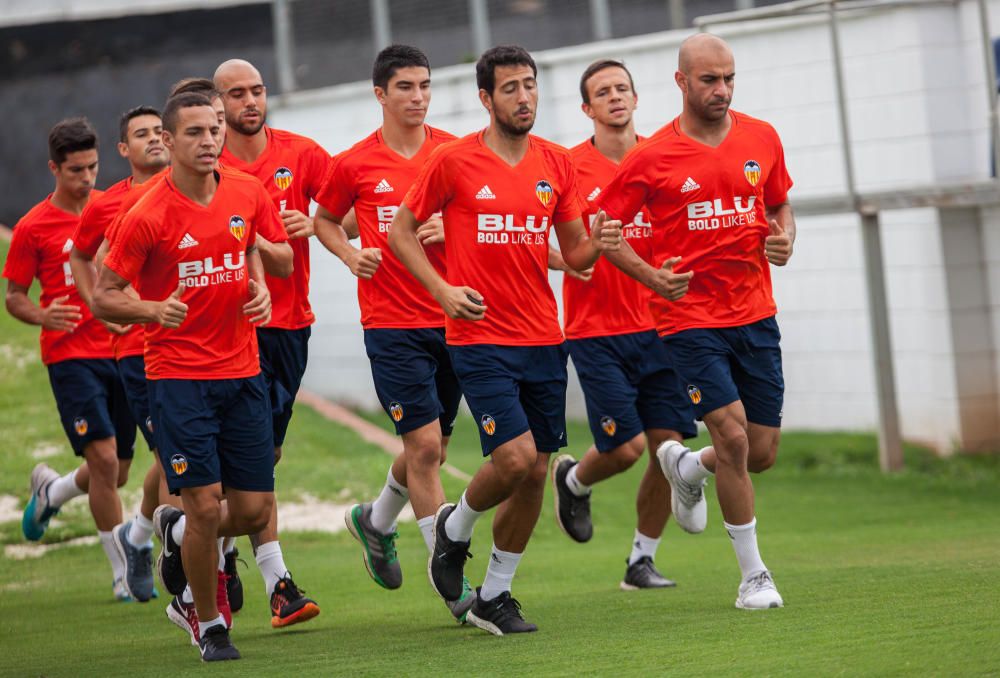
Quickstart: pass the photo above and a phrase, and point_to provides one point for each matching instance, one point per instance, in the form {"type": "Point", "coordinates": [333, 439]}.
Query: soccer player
{"type": "Point", "coordinates": [75, 348]}
{"type": "Point", "coordinates": [403, 325]}
{"type": "Point", "coordinates": [633, 395]}
{"type": "Point", "coordinates": [501, 190]}
{"type": "Point", "coordinates": [189, 249]}
{"type": "Point", "coordinates": [140, 143]}
{"type": "Point", "coordinates": [715, 184]}
{"type": "Point", "coordinates": [292, 169]}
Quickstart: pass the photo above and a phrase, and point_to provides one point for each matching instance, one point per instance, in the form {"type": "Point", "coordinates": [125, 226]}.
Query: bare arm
{"type": "Point", "coordinates": [331, 232]}
{"type": "Point", "coordinates": [663, 280]}
{"type": "Point", "coordinates": [457, 302]}
{"type": "Point", "coordinates": [779, 243]}
{"type": "Point", "coordinates": [259, 306]}
{"type": "Point", "coordinates": [84, 274]}
{"type": "Point", "coordinates": [277, 258]}
{"type": "Point", "coordinates": [58, 315]}
{"type": "Point", "coordinates": [350, 224]}
{"type": "Point", "coordinates": [113, 304]}
{"type": "Point", "coordinates": [580, 249]}
{"type": "Point", "coordinates": [557, 263]}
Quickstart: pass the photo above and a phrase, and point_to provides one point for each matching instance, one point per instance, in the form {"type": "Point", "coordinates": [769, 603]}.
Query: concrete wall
{"type": "Point", "coordinates": [918, 115]}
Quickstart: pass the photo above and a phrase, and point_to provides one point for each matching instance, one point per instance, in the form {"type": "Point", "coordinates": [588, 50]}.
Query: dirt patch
{"type": "Point", "coordinates": [310, 514]}
{"type": "Point", "coordinates": [47, 451]}
{"type": "Point", "coordinates": [26, 551]}
{"type": "Point", "coordinates": [10, 509]}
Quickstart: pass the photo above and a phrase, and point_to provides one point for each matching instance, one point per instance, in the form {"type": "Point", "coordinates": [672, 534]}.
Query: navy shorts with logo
{"type": "Point", "coordinates": [513, 389]}
{"type": "Point", "coordinates": [132, 371]}
{"type": "Point", "coordinates": [413, 377]}
{"type": "Point", "coordinates": [92, 404]}
{"type": "Point", "coordinates": [283, 357]}
{"type": "Point", "coordinates": [629, 387]}
{"type": "Point", "coordinates": [722, 365]}
{"type": "Point", "coordinates": [210, 431]}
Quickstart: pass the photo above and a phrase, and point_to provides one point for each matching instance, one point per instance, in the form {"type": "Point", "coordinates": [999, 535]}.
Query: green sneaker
{"type": "Point", "coordinates": [379, 549]}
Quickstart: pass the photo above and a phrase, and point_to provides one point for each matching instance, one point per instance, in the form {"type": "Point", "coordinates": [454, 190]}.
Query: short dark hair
{"type": "Point", "coordinates": [69, 136]}
{"type": "Point", "coordinates": [200, 85]}
{"type": "Point", "coordinates": [501, 55]}
{"type": "Point", "coordinates": [183, 100]}
{"type": "Point", "coordinates": [597, 67]}
{"type": "Point", "coordinates": [394, 57]}
{"type": "Point", "coordinates": [127, 117]}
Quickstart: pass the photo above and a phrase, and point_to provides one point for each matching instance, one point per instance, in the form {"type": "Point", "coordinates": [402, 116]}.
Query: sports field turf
{"type": "Point", "coordinates": [881, 575]}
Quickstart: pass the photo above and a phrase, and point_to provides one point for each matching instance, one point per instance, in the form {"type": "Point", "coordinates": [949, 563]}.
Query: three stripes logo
{"type": "Point", "coordinates": [179, 464]}
{"type": "Point", "coordinates": [689, 185]}
{"type": "Point", "coordinates": [593, 194]}
{"type": "Point", "coordinates": [187, 241]}
{"type": "Point", "coordinates": [751, 170]}
{"type": "Point", "coordinates": [489, 424]}
{"type": "Point", "coordinates": [395, 411]}
{"type": "Point", "coordinates": [237, 226]}
{"type": "Point", "coordinates": [543, 190]}
{"type": "Point", "coordinates": [485, 194]}
{"type": "Point", "coordinates": [283, 178]}
{"type": "Point", "coordinates": [609, 426]}
{"type": "Point", "coordinates": [383, 187]}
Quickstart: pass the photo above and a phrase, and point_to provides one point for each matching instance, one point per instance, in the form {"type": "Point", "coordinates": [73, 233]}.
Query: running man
{"type": "Point", "coordinates": [633, 396]}
{"type": "Point", "coordinates": [292, 169]}
{"type": "Point", "coordinates": [403, 325]}
{"type": "Point", "coordinates": [715, 184]}
{"type": "Point", "coordinates": [139, 142]}
{"type": "Point", "coordinates": [190, 242]}
{"type": "Point", "coordinates": [501, 190]}
{"type": "Point", "coordinates": [75, 348]}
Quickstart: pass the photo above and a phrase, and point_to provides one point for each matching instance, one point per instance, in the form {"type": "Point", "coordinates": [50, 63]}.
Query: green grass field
{"type": "Point", "coordinates": [881, 575]}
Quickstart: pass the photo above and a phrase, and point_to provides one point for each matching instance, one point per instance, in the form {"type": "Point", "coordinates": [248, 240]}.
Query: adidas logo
{"type": "Point", "coordinates": [689, 185]}
{"type": "Point", "coordinates": [485, 194]}
{"type": "Point", "coordinates": [68, 246]}
{"type": "Point", "coordinates": [593, 194]}
{"type": "Point", "coordinates": [186, 241]}
{"type": "Point", "coordinates": [383, 187]}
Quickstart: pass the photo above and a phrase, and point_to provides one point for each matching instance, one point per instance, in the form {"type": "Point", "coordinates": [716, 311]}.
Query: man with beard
{"type": "Point", "coordinates": [140, 143]}
{"type": "Point", "coordinates": [633, 395]}
{"type": "Point", "coordinates": [292, 169]}
{"type": "Point", "coordinates": [715, 184]}
{"type": "Point", "coordinates": [500, 190]}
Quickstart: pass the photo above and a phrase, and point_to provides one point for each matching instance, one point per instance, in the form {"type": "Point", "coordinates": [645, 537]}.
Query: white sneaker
{"type": "Point", "coordinates": [687, 500]}
{"type": "Point", "coordinates": [758, 592]}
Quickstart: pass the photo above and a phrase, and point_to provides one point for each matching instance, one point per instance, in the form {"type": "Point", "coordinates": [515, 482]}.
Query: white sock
{"type": "Point", "coordinates": [499, 574]}
{"type": "Point", "coordinates": [459, 525]}
{"type": "Point", "coordinates": [177, 531]}
{"type": "Point", "coordinates": [643, 546]}
{"type": "Point", "coordinates": [117, 564]}
{"type": "Point", "coordinates": [63, 489]}
{"type": "Point", "coordinates": [204, 626]}
{"type": "Point", "coordinates": [386, 508]}
{"type": "Point", "coordinates": [222, 554]}
{"type": "Point", "coordinates": [141, 531]}
{"type": "Point", "coordinates": [426, 526]}
{"type": "Point", "coordinates": [230, 545]}
{"type": "Point", "coordinates": [574, 485]}
{"type": "Point", "coordinates": [271, 564]}
{"type": "Point", "coordinates": [745, 544]}
{"type": "Point", "coordinates": [691, 468]}
{"type": "Point", "coordinates": [186, 596]}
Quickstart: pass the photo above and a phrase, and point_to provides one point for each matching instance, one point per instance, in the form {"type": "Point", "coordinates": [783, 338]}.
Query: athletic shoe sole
{"type": "Point", "coordinates": [487, 626]}
{"type": "Point", "coordinates": [181, 622]}
{"type": "Point", "coordinates": [308, 611]}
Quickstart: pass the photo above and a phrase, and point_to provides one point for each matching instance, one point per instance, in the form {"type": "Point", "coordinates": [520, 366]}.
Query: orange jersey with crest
{"type": "Point", "coordinates": [167, 239]}
{"type": "Point", "coordinates": [292, 169]}
{"type": "Point", "coordinates": [497, 220]}
{"type": "Point", "coordinates": [708, 207]}
{"type": "Point", "coordinates": [373, 178]}
{"type": "Point", "coordinates": [610, 302]}
{"type": "Point", "coordinates": [40, 249]}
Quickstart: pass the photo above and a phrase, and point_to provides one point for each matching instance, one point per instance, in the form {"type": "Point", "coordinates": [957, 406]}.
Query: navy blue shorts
{"type": "Point", "coordinates": [283, 357]}
{"type": "Point", "coordinates": [722, 365]}
{"type": "Point", "coordinates": [92, 404]}
{"type": "Point", "coordinates": [513, 389]}
{"type": "Point", "coordinates": [413, 377]}
{"type": "Point", "coordinates": [211, 431]}
{"type": "Point", "coordinates": [630, 386]}
{"type": "Point", "coordinates": [132, 371]}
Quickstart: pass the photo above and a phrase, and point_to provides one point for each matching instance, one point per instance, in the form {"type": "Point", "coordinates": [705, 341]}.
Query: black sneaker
{"type": "Point", "coordinates": [572, 512]}
{"type": "Point", "coordinates": [499, 616]}
{"type": "Point", "coordinates": [446, 565]}
{"type": "Point", "coordinates": [234, 585]}
{"type": "Point", "coordinates": [168, 564]}
{"type": "Point", "coordinates": [642, 574]}
{"type": "Point", "coordinates": [216, 646]}
{"type": "Point", "coordinates": [288, 605]}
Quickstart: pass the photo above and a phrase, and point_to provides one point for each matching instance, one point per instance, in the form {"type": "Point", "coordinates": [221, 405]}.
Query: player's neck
{"type": "Point", "coordinates": [511, 149]}
{"type": "Point", "coordinates": [141, 176]}
{"type": "Point", "coordinates": [65, 201]}
{"type": "Point", "coordinates": [198, 187]}
{"type": "Point", "coordinates": [614, 142]}
{"type": "Point", "coordinates": [406, 140]}
{"type": "Point", "coordinates": [708, 132]}
{"type": "Point", "coordinates": [246, 147]}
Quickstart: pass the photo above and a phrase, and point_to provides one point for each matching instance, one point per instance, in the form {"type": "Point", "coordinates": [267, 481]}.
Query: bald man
{"type": "Point", "coordinates": [715, 184]}
{"type": "Point", "coordinates": [292, 169]}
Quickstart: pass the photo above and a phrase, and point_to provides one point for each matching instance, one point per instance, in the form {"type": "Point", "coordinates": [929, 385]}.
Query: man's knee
{"type": "Point", "coordinates": [514, 461]}
{"type": "Point", "coordinates": [625, 455]}
{"type": "Point", "coordinates": [102, 460]}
